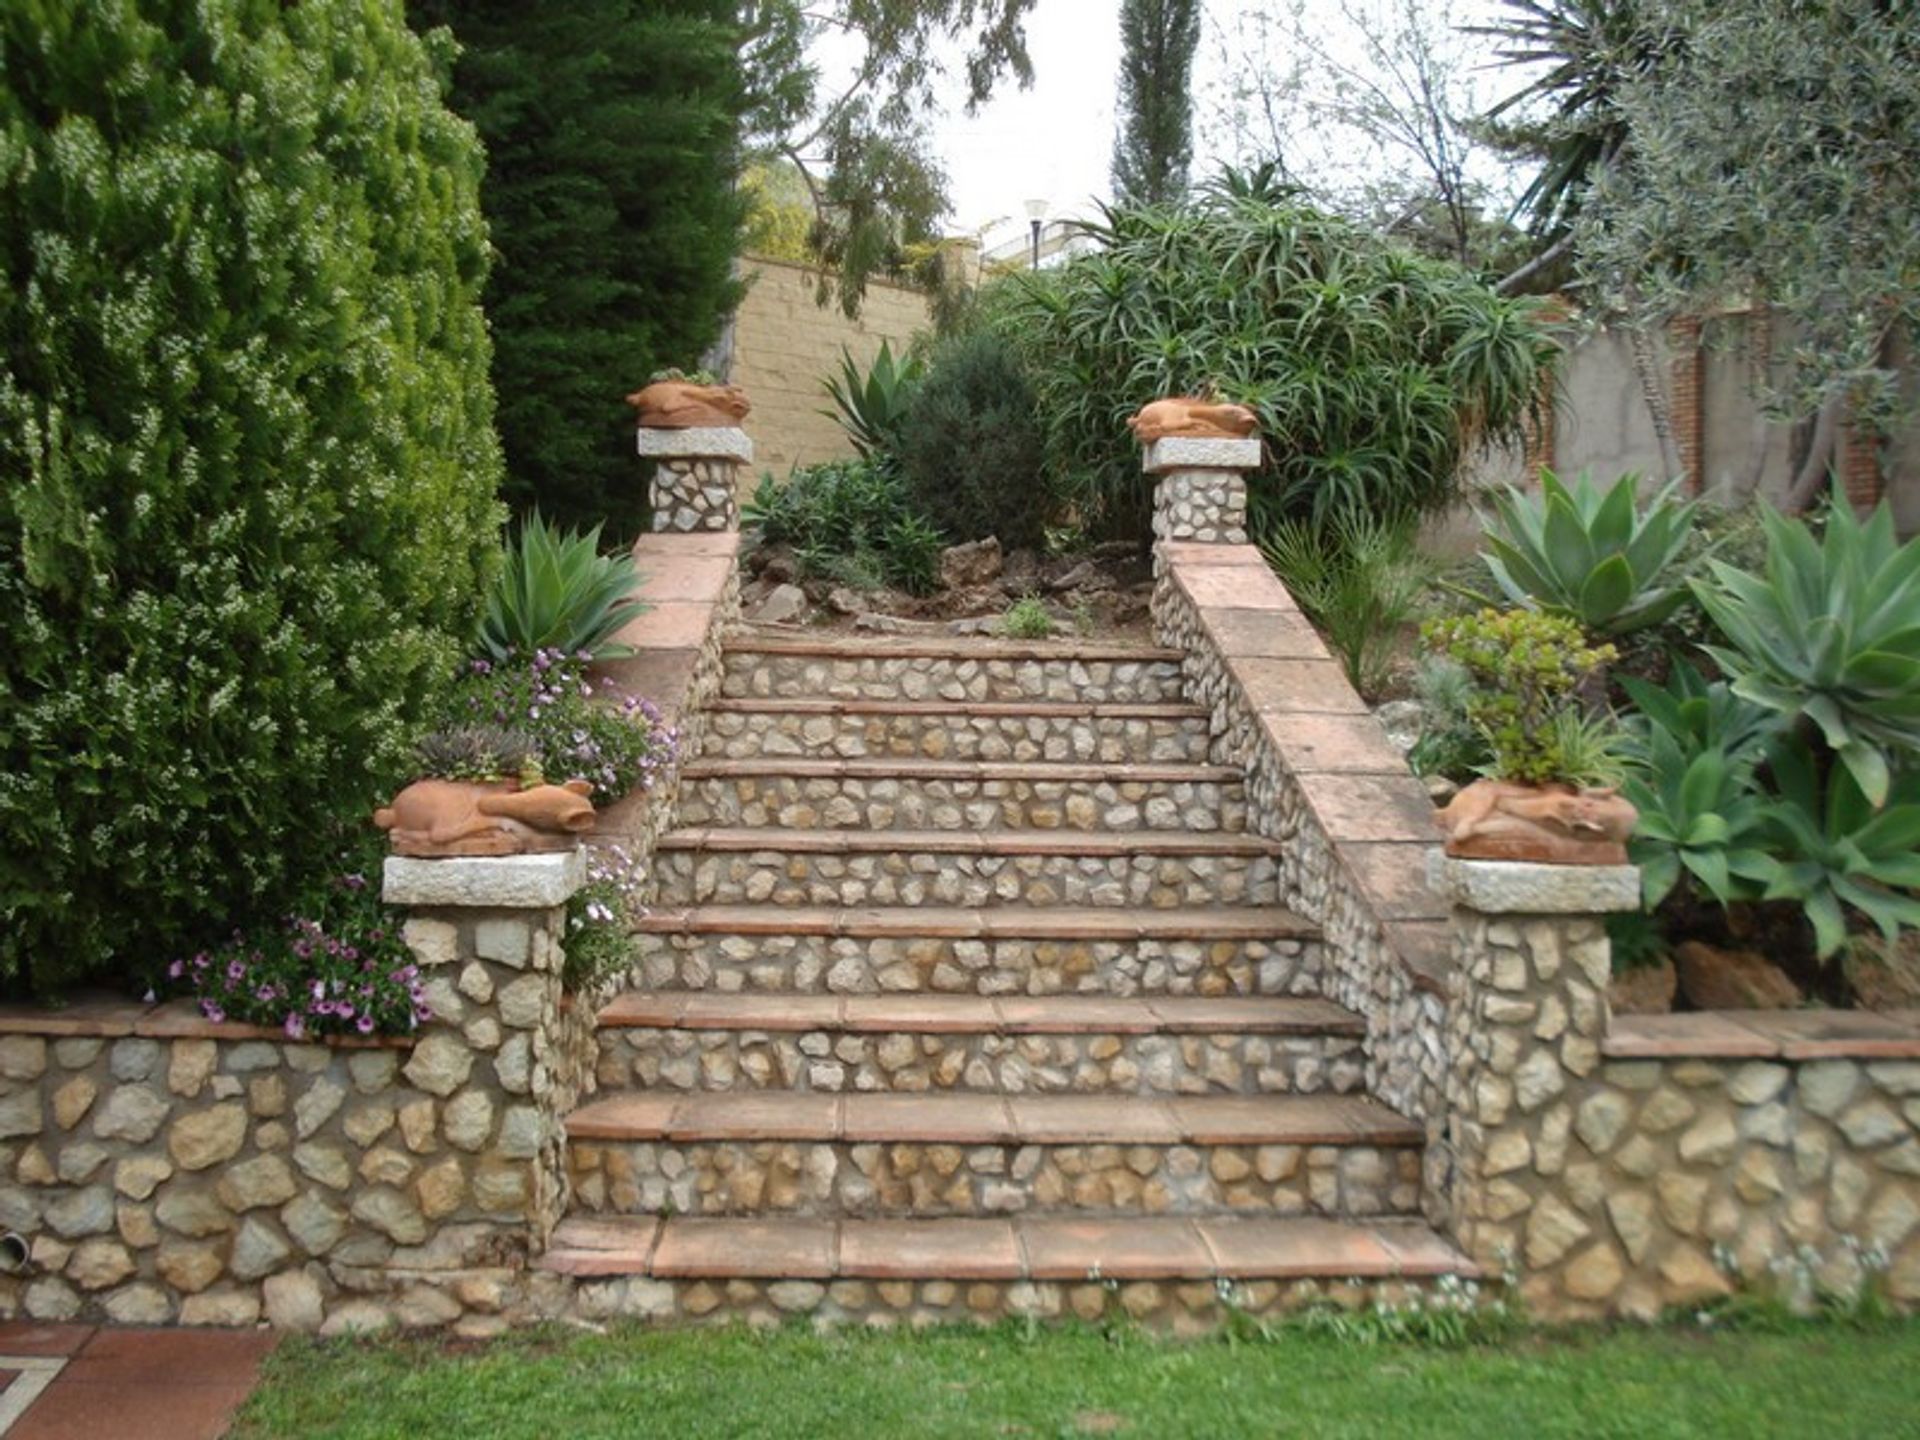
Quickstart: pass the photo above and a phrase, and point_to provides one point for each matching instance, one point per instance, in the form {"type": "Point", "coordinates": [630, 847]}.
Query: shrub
{"type": "Point", "coordinates": [558, 592]}
{"type": "Point", "coordinates": [1373, 371]}
{"type": "Point", "coordinates": [1828, 632]}
{"type": "Point", "coordinates": [1525, 668]}
{"type": "Point", "coordinates": [1594, 557]}
{"type": "Point", "coordinates": [1359, 578]}
{"type": "Point", "coordinates": [971, 446]}
{"type": "Point", "coordinates": [849, 521]}
{"type": "Point", "coordinates": [247, 434]}
{"type": "Point", "coordinates": [1027, 619]}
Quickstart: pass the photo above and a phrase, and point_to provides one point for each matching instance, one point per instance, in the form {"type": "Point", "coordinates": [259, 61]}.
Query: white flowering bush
{"type": "Point", "coordinates": [246, 432]}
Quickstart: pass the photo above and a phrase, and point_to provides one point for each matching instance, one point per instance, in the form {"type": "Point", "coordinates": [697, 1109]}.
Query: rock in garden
{"type": "Point", "coordinates": [1715, 979]}
{"type": "Point", "coordinates": [1645, 989]}
{"type": "Point", "coordinates": [783, 605]}
{"type": "Point", "coordinates": [1402, 720]}
{"type": "Point", "coordinates": [976, 563]}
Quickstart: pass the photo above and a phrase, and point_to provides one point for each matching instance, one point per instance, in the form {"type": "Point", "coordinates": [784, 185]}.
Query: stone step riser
{"type": "Point", "coordinates": [752, 674]}
{"type": "Point", "coordinates": [635, 1057]}
{"type": "Point", "coordinates": [997, 738]}
{"type": "Point", "coordinates": [871, 965]}
{"type": "Point", "coordinates": [913, 1179]}
{"type": "Point", "coordinates": [1160, 882]}
{"type": "Point", "coordinates": [914, 803]}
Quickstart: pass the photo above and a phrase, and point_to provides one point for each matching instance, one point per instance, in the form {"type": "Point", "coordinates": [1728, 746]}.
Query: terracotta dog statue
{"type": "Point", "coordinates": [682, 405]}
{"type": "Point", "coordinates": [1555, 824]}
{"type": "Point", "coordinates": [455, 817]}
{"type": "Point", "coordinates": [1189, 416]}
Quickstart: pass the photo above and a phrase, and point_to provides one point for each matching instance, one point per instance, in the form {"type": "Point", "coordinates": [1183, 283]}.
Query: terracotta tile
{"type": "Point", "coordinates": [1092, 1120]}
{"type": "Point", "coordinates": [929, 1249]}
{"type": "Point", "coordinates": [643, 1009]}
{"type": "Point", "coordinates": [1270, 634]}
{"type": "Point", "coordinates": [756, 1115]}
{"type": "Point", "coordinates": [662, 676]}
{"type": "Point", "coordinates": [86, 1014]}
{"type": "Point", "coordinates": [29, 1337]}
{"type": "Point", "coordinates": [1417, 1250]}
{"type": "Point", "coordinates": [1393, 876]}
{"type": "Point", "coordinates": [1820, 1034]}
{"type": "Point", "coordinates": [1371, 807]}
{"type": "Point", "coordinates": [1254, 1014]}
{"type": "Point", "coordinates": [182, 1020]}
{"type": "Point", "coordinates": [670, 625]}
{"type": "Point", "coordinates": [932, 922]}
{"type": "Point", "coordinates": [1130, 1248]}
{"type": "Point", "coordinates": [1285, 1249]}
{"type": "Point", "coordinates": [154, 1409]}
{"type": "Point", "coordinates": [760, 1249]}
{"type": "Point", "coordinates": [717, 1010]}
{"type": "Point", "coordinates": [1425, 947]}
{"type": "Point", "coordinates": [969, 1119]}
{"type": "Point", "coordinates": [138, 1356]}
{"type": "Point", "coordinates": [697, 578]}
{"type": "Point", "coordinates": [1341, 744]}
{"type": "Point", "coordinates": [1201, 552]}
{"type": "Point", "coordinates": [921, 1014]}
{"type": "Point", "coordinates": [635, 1115]}
{"type": "Point", "coordinates": [1289, 1120]}
{"type": "Point", "coordinates": [1296, 687]}
{"type": "Point", "coordinates": [653, 547]}
{"type": "Point", "coordinates": [606, 1232]}
{"type": "Point", "coordinates": [1070, 1014]}
{"type": "Point", "coordinates": [1233, 587]}
{"type": "Point", "coordinates": [1651, 1037]}
{"type": "Point", "coordinates": [586, 1264]}
{"type": "Point", "coordinates": [941, 647]}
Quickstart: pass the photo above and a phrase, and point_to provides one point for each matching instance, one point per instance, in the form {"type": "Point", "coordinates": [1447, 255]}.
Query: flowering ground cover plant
{"type": "Point", "coordinates": [550, 700]}
{"type": "Point", "coordinates": [601, 916]}
{"type": "Point", "coordinates": [343, 970]}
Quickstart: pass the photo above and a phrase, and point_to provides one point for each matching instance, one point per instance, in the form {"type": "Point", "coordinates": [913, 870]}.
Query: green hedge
{"type": "Point", "coordinates": [246, 430]}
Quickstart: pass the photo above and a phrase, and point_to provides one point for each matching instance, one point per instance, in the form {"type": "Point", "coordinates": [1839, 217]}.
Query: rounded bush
{"type": "Point", "coordinates": [247, 433]}
{"type": "Point", "coordinates": [971, 446]}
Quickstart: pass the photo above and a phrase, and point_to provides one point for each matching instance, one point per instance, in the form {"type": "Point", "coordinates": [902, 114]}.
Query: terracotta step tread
{"type": "Point", "coordinates": [944, 647]}
{"type": "Point", "coordinates": [972, 842]}
{"type": "Point", "coordinates": [1026, 1247]}
{"type": "Point", "coordinates": [991, 1119]}
{"type": "Point", "coordinates": [1035, 771]}
{"type": "Point", "coordinates": [988, 709]}
{"type": "Point", "coordinates": [1001, 922]}
{"type": "Point", "coordinates": [979, 1014]}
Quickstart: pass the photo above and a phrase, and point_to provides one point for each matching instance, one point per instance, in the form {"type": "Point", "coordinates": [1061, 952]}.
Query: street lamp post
{"type": "Point", "coordinates": [1036, 217]}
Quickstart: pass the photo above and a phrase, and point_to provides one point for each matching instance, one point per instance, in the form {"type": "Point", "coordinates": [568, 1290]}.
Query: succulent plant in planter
{"type": "Point", "coordinates": [1542, 795]}
{"type": "Point", "coordinates": [484, 794]}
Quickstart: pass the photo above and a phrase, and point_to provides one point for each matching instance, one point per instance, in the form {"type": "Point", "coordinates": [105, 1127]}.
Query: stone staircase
{"type": "Point", "coordinates": [969, 991]}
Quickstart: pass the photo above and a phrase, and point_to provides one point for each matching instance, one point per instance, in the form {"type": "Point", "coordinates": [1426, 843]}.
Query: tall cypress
{"type": "Point", "coordinates": [612, 130]}
{"type": "Point", "coordinates": [1154, 143]}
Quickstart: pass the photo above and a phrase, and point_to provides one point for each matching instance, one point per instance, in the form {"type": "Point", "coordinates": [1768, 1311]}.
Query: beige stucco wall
{"type": "Point", "coordinates": [785, 345]}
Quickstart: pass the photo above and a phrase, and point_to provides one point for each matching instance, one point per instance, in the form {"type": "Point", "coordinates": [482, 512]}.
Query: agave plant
{"type": "Point", "coordinates": [1590, 555]}
{"type": "Point", "coordinates": [1839, 850]}
{"type": "Point", "coordinates": [1692, 753]}
{"type": "Point", "coordinates": [557, 592]}
{"type": "Point", "coordinates": [1830, 631]}
{"type": "Point", "coordinates": [870, 408]}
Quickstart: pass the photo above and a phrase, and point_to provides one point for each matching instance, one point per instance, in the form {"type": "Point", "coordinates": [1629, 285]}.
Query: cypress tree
{"type": "Point", "coordinates": [246, 434]}
{"type": "Point", "coordinates": [613, 142]}
{"type": "Point", "coordinates": [1154, 144]}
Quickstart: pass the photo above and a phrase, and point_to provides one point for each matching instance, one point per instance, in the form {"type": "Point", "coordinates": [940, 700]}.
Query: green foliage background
{"type": "Point", "coordinates": [1154, 144]}
{"type": "Point", "coordinates": [612, 130]}
{"type": "Point", "coordinates": [246, 435]}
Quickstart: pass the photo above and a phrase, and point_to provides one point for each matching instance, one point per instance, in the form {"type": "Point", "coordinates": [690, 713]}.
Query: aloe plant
{"type": "Point", "coordinates": [1594, 556]}
{"type": "Point", "coordinates": [1839, 849]}
{"type": "Point", "coordinates": [871, 407]}
{"type": "Point", "coordinates": [1830, 631]}
{"type": "Point", "coordinates": [557, 592]}
{"type": "Point", "coordinates": [1692, 753]}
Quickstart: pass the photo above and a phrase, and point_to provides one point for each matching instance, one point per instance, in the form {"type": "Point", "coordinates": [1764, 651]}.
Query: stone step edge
{"type": "Point", "coordinates": [987, 1118]}
{"type": "Point", "coordinates": [1003, 922]}
{"type": "Point", "coordinates": [973, 709]}
{"type": "Point", "coordinates": [1038, 772]}
{"type": "Point", "coordinates": [782, 1012]}
{"type": "Point", "coordinates": [936, 647]}
{"type": "Point", "coordinates": [1019, 1248]}
{"type": "Point", "coordinates": [1093, 843]}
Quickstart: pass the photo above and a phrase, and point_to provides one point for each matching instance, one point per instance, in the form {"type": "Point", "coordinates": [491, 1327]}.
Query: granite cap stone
{"type": "Point", "coordinates": [713, 442]}
{"type": "Point", "coordinates": [1514, 887]}
{"type": "Point", "coordinates": [503, 882]}
{"type": "Point", "coordinates": [1192, 452]}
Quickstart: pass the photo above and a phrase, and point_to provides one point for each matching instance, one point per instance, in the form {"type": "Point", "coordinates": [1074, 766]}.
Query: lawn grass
{"type": "Point", "coordinates": [1828, 1381]}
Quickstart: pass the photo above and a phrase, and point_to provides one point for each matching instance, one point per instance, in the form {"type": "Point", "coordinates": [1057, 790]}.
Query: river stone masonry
{"type": "Point", "coordinates": [695, 484]}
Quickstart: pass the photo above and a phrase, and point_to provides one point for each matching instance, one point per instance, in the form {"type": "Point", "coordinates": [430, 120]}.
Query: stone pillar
{"type": "Point", "coordinates": [487, 936]}
{"type": "Point", "coordinates": [1200, 492]}
{"type": "Point", "coordinates": [1526, 1015]}
{"type": "Point", "coordinates": [696, 476]}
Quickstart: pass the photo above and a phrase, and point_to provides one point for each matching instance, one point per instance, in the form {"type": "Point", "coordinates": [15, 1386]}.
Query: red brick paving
{"type": "Point", "coordinates": [131, 1384]}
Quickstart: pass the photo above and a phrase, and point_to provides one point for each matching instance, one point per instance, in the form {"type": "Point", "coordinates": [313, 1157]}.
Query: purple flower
{"type": "Point", "coordinates": [176, 969]}
{"type": "Point", "coordinates": [364, 1024]}
{"type": "Point", "coordinates": [212, 1011]}
{"type": "Point", "coordinates": [296, 1026]}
